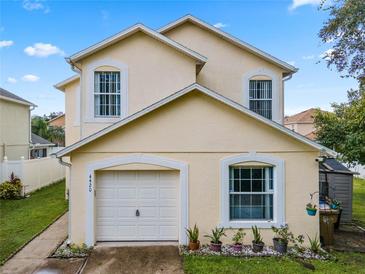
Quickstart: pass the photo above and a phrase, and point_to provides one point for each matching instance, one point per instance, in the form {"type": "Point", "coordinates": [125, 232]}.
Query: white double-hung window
{"type": "Point", "coordinates": [260, 97]}
{"type": "Point", "coordinates": [107, 94]}
{"type": "Point", "coordinates": [251, 193]}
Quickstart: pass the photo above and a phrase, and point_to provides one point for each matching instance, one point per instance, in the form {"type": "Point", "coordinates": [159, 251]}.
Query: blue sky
{"type": "Point", "coordinates": [36, 35]}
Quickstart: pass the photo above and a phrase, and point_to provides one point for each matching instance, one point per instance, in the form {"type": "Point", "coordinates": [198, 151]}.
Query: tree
{"type": "Point", "coordinates": [344, 129]}
{"type": "Point", "coordinates": [346, 30]}
{"type": "Point", "coordinates": [40, 127]}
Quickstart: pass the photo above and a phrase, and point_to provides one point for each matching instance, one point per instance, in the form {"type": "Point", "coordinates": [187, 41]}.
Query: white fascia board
{"type": "Point", "coordinates": [231, 39]}
{"type": "Point", "coordinates": [126, 33]}
{"type": "Point", "coordinates": [60, 86]}
{"type": "Point", "coordinates": [17, 101]}
{"type": "Point", "coordinates": [208, 92]}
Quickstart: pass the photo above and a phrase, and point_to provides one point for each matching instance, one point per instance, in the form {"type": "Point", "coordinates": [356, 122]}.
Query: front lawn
{"type": "Point", "coordinates": [347, 263]}
{"type": "Point", "coordinates": [358, 202]}
{"type": "Point", "coordinates": [21, 219]}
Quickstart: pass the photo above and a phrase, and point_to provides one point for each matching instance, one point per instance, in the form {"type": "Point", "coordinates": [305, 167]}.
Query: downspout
{"type": "Point", "coordinates": [31, 108]}
{"type": "Point", "coordinates": [68, 165]}
{"type": "Point", "coordinates": [286, 78]}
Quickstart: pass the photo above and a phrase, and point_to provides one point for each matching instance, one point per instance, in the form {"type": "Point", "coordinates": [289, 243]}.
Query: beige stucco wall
{"type": "Point", "coordinates": [302, 128]}
{"type": "Point", "coordinates": [200, 131]}
{"type": "Point", "coordinates": [14, 130]}
{"type": "Point", "coordinates": [227, 64]}
{"type": "Point", "coordinates": [154, 71]}
{"type": "Point", "coordinates": [72, 108]}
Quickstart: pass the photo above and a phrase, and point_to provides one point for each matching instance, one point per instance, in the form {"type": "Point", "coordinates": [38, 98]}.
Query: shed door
{"type": "Point", "coordinates": [137, 205]}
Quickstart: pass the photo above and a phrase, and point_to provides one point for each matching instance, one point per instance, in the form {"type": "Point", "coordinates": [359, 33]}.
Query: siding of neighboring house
{"type": "Point", "coordinates": [14, 130]}
{"type": "Point", "coordinates": [201, 131]}
{"type": "Point", "coordinates": [228, 65]}
{"type": "Point", "coordinates": [58, 121]}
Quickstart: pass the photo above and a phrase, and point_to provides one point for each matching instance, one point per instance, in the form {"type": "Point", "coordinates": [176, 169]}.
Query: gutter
{"type": "Point", "coordinates": [69, 199]}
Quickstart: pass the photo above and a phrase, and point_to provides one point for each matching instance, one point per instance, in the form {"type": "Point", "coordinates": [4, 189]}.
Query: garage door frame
{"type": "Point", "coordinates": [136, 159]}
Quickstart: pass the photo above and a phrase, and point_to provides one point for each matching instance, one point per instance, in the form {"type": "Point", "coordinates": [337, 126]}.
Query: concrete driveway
{"type": "Point", "coordinates": [137, 259]}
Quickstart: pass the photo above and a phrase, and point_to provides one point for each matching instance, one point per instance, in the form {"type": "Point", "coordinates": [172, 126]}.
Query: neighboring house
{"type": "Point", "coordinates": [303, 123]}
{"type": "Point", "coordinates": [40, 147]}
{"type": "Point", "coordinates": [15, 130]}
{"type": "Point", "coordinates": [58, 121]}
{"type": "Point", "coordinates": [181, 126]}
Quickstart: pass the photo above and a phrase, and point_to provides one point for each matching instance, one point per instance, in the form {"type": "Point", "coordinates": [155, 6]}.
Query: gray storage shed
{"type": "Point", "coordinates": [335, 181]}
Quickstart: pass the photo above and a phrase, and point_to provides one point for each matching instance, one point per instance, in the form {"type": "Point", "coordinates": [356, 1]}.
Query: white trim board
{"type": "Point", "coordinates": [208, 92]}
{"type": "Point", "coordinates": [60, 86]}
{"type": "Point", "coordinates": [229, 38]}
{"type": "Point", "coordinates": [136, 159]}
{"type": "Point", "coordinates": [129, 31]}
{"type": "Point", "coordinates": [279, 190]}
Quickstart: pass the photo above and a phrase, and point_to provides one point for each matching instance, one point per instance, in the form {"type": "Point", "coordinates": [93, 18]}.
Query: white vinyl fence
{"type": "Point", "coordinates": [35, 173]}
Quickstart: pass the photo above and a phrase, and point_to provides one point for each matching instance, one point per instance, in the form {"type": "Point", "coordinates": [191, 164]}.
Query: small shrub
{"type": "Point", "coordinates": [216, 235]}
{"type": "Point", "coordinates": [11, 189]}
{"type": "Point", "coordinates": [315, 244]}
{"type": "Point", "coordinates": [193, 234]}
{"type": "Point", "coordinates": [257, 238]}
{"type": "Point", "coordinates": [238, 237]}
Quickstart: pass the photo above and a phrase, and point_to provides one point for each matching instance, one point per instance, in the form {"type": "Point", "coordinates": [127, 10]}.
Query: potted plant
{"type": "Point", "coordinates": [215, 239]}
{"type": "Point", "coordinates": [193, 235]}
{"type": "Point", "coordinates": [335, 204]}
{"type": "Point", "coordinates": [282, 238]}
{"type": "Point", "coordinates": [237, 240]}
{"type": "Point", "coordinates": [257, 243]}
{"type": "Point", "coordinates": [311, 209]}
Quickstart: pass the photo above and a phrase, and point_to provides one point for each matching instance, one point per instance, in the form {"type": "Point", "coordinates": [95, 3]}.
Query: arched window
{"type": "Point", "coordinates": [252, 189]}
{"type": "Point", "coordinates": [107, 94]}
{"type": "Point", "coordinates": [260, 97]}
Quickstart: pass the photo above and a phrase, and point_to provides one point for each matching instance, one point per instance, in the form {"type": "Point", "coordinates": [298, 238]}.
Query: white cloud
{"type": "Point", "coordinates": [220, 25]}
{"type": "Point", "coordinates": [30, 78]}
{"type": "Point", "coordinates": [6, 43]}
{"type": "Point", "coordinates": [43, 50]}
{"type": "Point", "coordinates": [291, 63]}
{"type": "Point", "coordinates": [31, 5]}
{"type": "Point", "coordinates": [308, 57]}
{"type": "Point", "coordinates": [11, 80]}
{"type": "Point", "coordinates": [297, 3]}
{"type": "Point", "coordinates": [327, 55]}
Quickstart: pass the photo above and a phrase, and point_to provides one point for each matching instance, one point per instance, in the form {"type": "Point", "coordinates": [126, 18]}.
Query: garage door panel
{"type": "Point", "coordinates": [121, 193]}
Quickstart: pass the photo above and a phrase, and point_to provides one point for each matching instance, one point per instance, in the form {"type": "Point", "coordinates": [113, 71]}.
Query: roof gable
{"type": "Point", "coordinates": [306, 116]}
{"type": "Point", "coordinates": [229, 38]}
{"type": "Point", "coordinates": [175, 96]}
{"type": "Point", "coordinates": [130, 31]}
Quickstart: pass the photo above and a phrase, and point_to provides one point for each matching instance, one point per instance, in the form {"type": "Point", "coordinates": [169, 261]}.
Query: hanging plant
{"type": "Point", "coordinates": [311, 207]}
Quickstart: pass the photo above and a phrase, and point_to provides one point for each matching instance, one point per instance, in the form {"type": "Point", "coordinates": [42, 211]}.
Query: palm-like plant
{"type": "Point", "coordinates": [216, 235]}
{"type": "Point", "coordinates": [193, 234]}
{"type": "Point", "coordinates": [257, 238]}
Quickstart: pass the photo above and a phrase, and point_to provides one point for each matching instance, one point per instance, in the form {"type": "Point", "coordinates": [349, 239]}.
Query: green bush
{"type": "Point", "coordinates": [11, 189]}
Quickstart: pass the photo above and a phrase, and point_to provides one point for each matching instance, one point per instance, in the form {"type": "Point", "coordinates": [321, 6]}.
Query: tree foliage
{"type": "Point", "coordinates": [346, 30]}
{"type": "Point", "coordinates": [40, 127]}
{"type": "Point", "coordinates": [344, 129]}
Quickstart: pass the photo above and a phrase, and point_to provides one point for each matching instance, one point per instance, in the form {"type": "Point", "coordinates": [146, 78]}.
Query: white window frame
{"type": "Point", "coordinates": [276, 111]}
{"type": "Point", "coordinates": [278, 194]}
{"type": "Point", "coordinates": [90, 107]}
{"type": "Point", "coordinates": [260, 99]}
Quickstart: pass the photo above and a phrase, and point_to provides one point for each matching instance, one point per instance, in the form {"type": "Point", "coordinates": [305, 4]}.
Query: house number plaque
{"type": "Point", "coordinates": [90, 184]}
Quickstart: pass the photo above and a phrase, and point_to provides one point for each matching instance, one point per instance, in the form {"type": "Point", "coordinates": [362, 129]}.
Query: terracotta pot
{"type": "Point", "coordinates": [257, 247]}
{"type": "Point", "coordinates": [216, 247]}
{"type": "Point", "coordinates": [237, 247]}
{"type": "Point", "coordinates": [280, 246]}
{"type": "Point", "coordinates": [194, 246]}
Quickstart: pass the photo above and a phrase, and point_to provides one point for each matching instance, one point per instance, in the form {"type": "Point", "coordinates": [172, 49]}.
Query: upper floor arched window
{"type": "Point", "coordinates": [260, 96]}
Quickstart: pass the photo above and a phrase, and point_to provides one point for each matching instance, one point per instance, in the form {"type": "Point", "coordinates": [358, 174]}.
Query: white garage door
{"type": "Point", "coordinates": [137, 205]}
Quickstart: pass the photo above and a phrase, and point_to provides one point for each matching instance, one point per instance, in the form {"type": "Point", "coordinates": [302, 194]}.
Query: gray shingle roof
{"type": "Point", "coordinates": [8, 94]}
{"type": "Point", "coordinates": [41, 141]}
{"type": "Point", "coordinates": [332, 165]}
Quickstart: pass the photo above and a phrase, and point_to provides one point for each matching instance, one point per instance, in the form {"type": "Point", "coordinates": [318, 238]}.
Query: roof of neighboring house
{"type": "Point", "coordinates": [306, 116]}
{"type": "Point", "coordinates": [61, 85]}
{"type": "Point", "coordinates": [312, 135]}
{"type": "Point", "coordinates": [40, 141]}
{"type": "Point", "coordinates": [7, 95]}
{"type": "Point", "coordinates": [179, 94]}
{"type": "Point", "coordinates": [56, 118]}
{"type": "Point", "coordinates": [229, 38]}
{"type": "Point", "coordinates": [332, 165]}
{"type": "Point", "coordinates": [130, 31]}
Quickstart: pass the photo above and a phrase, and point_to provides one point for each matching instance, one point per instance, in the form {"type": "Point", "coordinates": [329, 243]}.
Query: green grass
{"type": "Point", "coordinates": [358, 202]}
{"type": "Point", "coordinates": [346, 263]}
{"type": "Point", "coordinates": [21, 219]}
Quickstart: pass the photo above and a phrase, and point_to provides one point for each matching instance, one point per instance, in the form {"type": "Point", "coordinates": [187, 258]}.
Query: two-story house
{"type": "Point", "coordinates": [181, 126]}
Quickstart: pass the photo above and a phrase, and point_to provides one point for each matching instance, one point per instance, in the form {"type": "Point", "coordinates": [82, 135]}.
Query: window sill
{"type": "Point", "coordinates": [106, 119]}
{"type": "Point", "coordinates": [251, 223]}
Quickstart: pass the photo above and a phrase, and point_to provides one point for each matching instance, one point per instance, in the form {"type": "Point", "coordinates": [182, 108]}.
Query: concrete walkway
{"type": "Point", "coordinates": [33, 257]}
